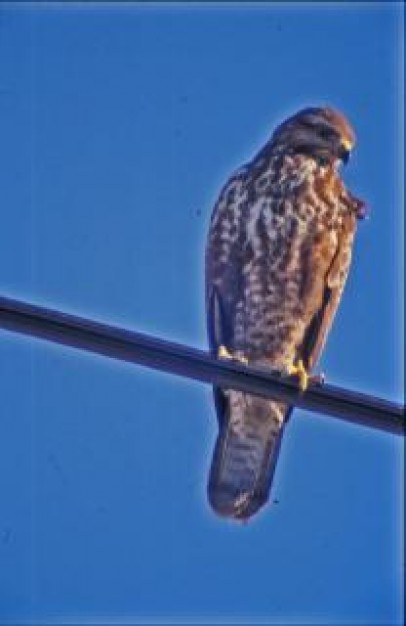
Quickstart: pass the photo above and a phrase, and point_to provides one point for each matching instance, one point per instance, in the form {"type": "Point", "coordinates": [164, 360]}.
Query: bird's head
{"type": "Point", "coordinates": [321, 133]}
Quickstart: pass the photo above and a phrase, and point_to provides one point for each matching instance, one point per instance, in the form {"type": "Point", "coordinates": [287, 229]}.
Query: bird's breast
{"type": "Point", "coordinates": [283, 229]}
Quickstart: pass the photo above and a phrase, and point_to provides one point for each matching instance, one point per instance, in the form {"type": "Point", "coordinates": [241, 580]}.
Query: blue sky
{"type": "Point", "coordinates": [119, 124]}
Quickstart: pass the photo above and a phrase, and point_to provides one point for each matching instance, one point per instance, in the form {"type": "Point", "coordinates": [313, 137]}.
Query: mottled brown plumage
{"type": "Point", "coordinates": [277, 258]}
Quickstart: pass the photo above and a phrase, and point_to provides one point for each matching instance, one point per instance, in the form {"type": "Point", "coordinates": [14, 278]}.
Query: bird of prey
{"type": "Point", "coordinates": [277, 258]}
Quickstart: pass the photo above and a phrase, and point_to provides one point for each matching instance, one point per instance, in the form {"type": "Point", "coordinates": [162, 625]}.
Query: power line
{"type": "Point", "coordinates": [174, 358]}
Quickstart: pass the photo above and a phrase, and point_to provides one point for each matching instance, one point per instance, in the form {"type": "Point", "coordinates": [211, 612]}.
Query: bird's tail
{"type": "Point", "coordinates": [245, 454]}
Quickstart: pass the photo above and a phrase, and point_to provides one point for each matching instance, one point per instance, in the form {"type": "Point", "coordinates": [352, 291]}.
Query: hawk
{"type": "Point", "coordinates": [277, 258]}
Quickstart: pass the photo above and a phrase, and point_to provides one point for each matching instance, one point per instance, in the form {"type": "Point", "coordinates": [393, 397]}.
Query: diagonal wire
{"type": "Point", "coordinates": [174, 358]}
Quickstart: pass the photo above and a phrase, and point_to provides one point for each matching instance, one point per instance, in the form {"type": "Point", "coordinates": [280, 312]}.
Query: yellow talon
{"type": "Point", "coordinates": [299, 370]}
{"type": "Point", "coordinates": [223, 353]}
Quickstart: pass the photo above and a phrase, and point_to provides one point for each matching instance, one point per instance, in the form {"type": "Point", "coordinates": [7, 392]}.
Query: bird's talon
{"type": "Point", "coordinates": [299, 370]}
{"type": "Point", "coordinates": [223, 353]}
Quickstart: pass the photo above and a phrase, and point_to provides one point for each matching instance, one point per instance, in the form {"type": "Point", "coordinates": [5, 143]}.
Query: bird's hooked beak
{"type": "Point", "coordinates": [344, 150]}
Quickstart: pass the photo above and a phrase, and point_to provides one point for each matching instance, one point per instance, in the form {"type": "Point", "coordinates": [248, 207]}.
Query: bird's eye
{"type": "Point", "coordinates": [322, 160]}
{"type": "Point", "coordinates": [325, 133]}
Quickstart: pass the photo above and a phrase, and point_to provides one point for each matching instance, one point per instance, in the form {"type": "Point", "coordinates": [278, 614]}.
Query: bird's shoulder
{"type": "Point", "coordinates": [231, 200]}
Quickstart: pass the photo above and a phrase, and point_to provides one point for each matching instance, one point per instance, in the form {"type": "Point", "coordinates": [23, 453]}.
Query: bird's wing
{"type": "Point", "coordinates": [334, 282]}
{"type": "Point", "coordinates": [220, 333]}
{"type": "Point", "coordinates": [224, 263]}
{"type": "Point", "coordinates": [223, 271]}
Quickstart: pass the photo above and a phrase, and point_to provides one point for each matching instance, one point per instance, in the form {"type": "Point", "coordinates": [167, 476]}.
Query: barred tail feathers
{"type": "Point", "coordinates": [245, 454]}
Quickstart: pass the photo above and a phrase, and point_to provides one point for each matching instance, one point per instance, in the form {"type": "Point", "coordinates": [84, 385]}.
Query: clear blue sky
{"type": "Point", "coordinates": [118, 126]}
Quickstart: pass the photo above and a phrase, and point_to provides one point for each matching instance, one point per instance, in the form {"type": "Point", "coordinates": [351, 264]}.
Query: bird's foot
{"type": "Point", "coordinates": [300, 372]}
{"type": "Point", "coordinates": [223, 353]}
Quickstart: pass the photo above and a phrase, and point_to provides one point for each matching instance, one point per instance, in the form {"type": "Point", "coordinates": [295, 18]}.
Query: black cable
{"type": "Point", "coordinates": [177, 359]}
